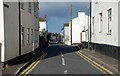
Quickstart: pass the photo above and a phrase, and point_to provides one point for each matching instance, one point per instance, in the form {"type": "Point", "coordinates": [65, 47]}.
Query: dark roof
{"type": "Point", "coordinates": [66, 24]}
{"type": "Point", "coordinates": [42, 19]}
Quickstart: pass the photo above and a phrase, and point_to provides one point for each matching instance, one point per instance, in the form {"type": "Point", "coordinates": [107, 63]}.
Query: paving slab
{"type": "Point", "coordinates": [17, 64]}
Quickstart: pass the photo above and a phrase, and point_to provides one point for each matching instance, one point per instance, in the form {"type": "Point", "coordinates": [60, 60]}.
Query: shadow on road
{"type": "Point", "coordinates": [56, 49]}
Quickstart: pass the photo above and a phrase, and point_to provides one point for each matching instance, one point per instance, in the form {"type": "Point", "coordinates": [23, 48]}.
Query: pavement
{"type": "Point", "coordinates": [65, 60]}
{"type": "Point", "coordinates": [16, 65]}
{"type": "Point", "coordinates": [104, 60]}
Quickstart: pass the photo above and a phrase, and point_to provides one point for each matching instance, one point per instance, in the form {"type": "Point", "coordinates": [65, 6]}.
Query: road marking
{"type": "Point", "coordinates": [32, 65]}
{"type": "Point", "coordinates": [63, 61]}
{"type": "Point", "coordinates": [65, 72]}
{"type": "Point", "coordinates": [97, 64]}
{"type": "Point", "coordinates": [35, 65]}
{"type": "Point", "coordinates": [61, 54]}
{"type": "Point", "coordinates": [80, 51]}
{"type": "Point", "coordinates": [93, 64]}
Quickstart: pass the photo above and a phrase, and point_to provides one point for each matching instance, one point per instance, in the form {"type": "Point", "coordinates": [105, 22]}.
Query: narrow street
{"type": "Point", "coordinates": [62, 59]}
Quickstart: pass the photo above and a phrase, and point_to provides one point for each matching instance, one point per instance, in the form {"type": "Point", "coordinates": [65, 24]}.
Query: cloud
{"type": "Point", "coordinates": [59, 12]}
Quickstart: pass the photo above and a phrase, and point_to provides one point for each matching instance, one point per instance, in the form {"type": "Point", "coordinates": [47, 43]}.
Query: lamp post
{"type": "Point", "coordinates": [89, 27]}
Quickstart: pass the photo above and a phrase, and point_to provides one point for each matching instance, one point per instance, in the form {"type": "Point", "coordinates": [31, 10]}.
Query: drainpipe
{"type": "Point", "coordinates": [19, 29]}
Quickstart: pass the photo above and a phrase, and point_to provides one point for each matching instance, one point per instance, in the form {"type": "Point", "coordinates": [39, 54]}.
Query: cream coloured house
{"type": "Point", "coordinates": [19, 28]}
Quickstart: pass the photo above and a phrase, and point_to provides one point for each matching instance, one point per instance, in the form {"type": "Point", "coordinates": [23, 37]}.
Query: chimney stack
{"type": "Point", "coordinates": [45, 17]}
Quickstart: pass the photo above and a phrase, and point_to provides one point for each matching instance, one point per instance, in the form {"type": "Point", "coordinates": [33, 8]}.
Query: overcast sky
{"type": "Point", "coordinates": [58, 13]}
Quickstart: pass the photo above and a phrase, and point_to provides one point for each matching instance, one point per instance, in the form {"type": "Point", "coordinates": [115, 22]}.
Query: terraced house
{"type": "Point", "coordinates": [19, 28]}
{"type": "Point", "coordinates": [105, 27]}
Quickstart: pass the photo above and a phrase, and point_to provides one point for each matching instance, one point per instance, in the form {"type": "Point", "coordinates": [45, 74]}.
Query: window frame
{"type": "Point", "coordinates": [93, 22]}
{"type": "Point", "coordinates": [22, 35]}
{"type": "Point", "coordinates": [100, 21]}
{"type": "Point", "coordinates": [28, 35]}
{"type": "Point", "coordinates": [109, 19]}
{"type": "Point", "coordinates": [29, 6]}
{"type": "Point", "coordinates": [32, 41]}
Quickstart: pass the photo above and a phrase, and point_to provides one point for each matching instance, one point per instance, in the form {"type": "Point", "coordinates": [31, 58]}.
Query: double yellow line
{"type": "Point", "coordinates": [32, 66]}
{"type": "Point", "coordinates": [96, 65]}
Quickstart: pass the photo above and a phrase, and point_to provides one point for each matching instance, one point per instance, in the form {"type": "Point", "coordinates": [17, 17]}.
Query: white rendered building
{"type": "Point", "coordinates": [105, 27]}
{"type": "Point", "coordinates": [77, 27]}
{"type": "Point", "coordinates": [42, 24]}
{"type": "Point", "coordinates": [66, 33]}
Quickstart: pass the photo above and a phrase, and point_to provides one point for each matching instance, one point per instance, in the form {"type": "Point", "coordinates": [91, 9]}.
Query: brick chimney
{"type": "Point", "coordinates": [45, 17]}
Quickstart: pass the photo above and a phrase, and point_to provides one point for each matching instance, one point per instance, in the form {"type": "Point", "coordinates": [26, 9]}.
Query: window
{"type": "Point", "coordinates": [109, 20]}
{"type": "Point", "coordinates": [31, 35]}
{"type": "Point", "coordinates": [100, 22]}
{"type": "Point", "coordinates": [37, 9]}
{"type": "Point", "coordinates": [34, 9]}
{"type": "Point", "coordinates": [28, 35]}
{"type": "Point", "coordinates": [36, 35]}
{"type": "Point", "coordinates": [92, 25]}
{"type": "Point", "coordinates": [29, 7]}
{"type": "Point", "coordinates": [109, 14]}
{"type": "Point", "coordinates": [22, 36]}
{"type": "Point", "coordinates": [22, 4]}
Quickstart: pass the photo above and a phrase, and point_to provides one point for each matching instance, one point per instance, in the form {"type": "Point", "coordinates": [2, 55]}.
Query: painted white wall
{"type": "Point", "coordinates": [2, 30]}
{"type": "Point", "coordinates": [102, 37]}
{"type": "Point", "coordinates": [66, 35]}
{"type": "Point", "coordinates": [77, 27]}
{"type": "Point", "coordinates": [42, 25]}
{"type": "Point", "coordinates": [69, 42]}
{"type": "Point", "coordinates": [85, 28]}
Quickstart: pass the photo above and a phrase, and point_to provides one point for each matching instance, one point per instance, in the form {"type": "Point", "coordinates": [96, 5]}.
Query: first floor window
{"type": "Point", "coordinates": [28, 35]}
{"type": "Point", "coordinates": [109, 19]}
{"type": "Point", "coordinates": [22, 4]}
{"type": "Point", "coordinates": [29, 6]}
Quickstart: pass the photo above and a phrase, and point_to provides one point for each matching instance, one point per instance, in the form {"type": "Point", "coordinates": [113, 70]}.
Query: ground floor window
{"type": "Point", "coordinates": [22, 35]}
{"type": "Point", "coordinates": [31, 35]}
{"type": "Point", "coordinates": [28, 35]}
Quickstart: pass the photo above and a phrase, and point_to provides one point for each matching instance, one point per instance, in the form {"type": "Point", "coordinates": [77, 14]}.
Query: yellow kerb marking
{"type": "Point", "coordinates": [97, 64]}
{"type": "Point", "coordinates": [30, 66]}
{"type": "Point", "coordinates": [35, 65]}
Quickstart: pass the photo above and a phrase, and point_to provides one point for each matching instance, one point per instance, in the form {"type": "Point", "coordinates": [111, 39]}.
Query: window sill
{"type": "Point", "coordinates": [100, 31]}
{"type": "Point", "coordinates": [109, 33]}
{"type": "Point", "coordinates": [23, 44]}
{"type": "Point", "coordinates": [22, 8]}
